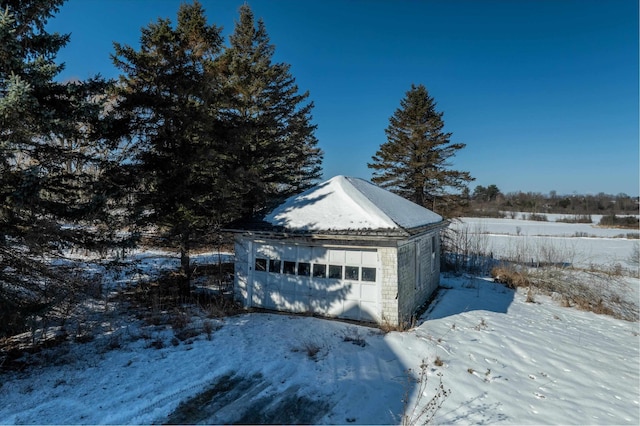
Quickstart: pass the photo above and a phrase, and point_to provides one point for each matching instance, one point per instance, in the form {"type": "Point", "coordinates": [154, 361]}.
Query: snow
{"type": "Point", "coordinates": [347, 203]}
{"type": "Point", "coordinates": [504, 360]}
{"type": "Point", "coordinates": [582, 245]}
{"type": "Point", "coordinates": [404, 213]}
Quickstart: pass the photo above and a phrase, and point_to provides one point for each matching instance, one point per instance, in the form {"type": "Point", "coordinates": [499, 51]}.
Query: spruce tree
{"type": "Point", "coordinates": [50, 135]}
{"type": "Point", "coordinates": [168, 96]}
{"type": "Point", "coordinates": [415, 160]}
{"type": "Point", "coordinates": [273, 149]}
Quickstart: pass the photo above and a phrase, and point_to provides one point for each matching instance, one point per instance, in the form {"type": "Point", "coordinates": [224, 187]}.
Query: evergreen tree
{"type": "Point", "coordinates": [169, 98]}
{"type": "Point", "coordinates": [273, 150]}
{"type": "Point", "coordinates": [414, 162]}
{"type": "Point", "coordinates": [51, 193]}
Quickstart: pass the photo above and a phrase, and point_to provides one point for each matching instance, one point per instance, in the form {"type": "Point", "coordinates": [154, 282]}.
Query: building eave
{"type": "Point", "coordinates": [336, 235]}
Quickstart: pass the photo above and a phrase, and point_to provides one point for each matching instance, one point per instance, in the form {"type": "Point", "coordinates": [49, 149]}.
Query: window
{"type": "Point", "coordinates": [368, 274]}
{"type": "Point", "coordinates": [351, 272]}
{"type": "Point", "coordinates": [261, 264]}
{"type": "Point", "coordinates": [289, 268]}
{"type": "Point", "coordinates": [304, 269]}
{"type": "Point", "coordinates": [319, 270]}
{"type": "Point", "coordinates": [275, 265]}
{"type": "Point", "coordinates": [335, 271]}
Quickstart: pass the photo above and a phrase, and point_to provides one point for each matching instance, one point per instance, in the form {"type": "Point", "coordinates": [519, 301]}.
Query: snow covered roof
{"type": "Point", "coordinates": [346, 203]}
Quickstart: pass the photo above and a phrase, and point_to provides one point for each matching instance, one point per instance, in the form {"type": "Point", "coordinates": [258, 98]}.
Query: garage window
{"type": "Point", "coordinates": [304, 269]}
{"type": "Point", "coordinates": [261, 264]}
{"type": "Point", "coordinates": [319, 270]}
{"type": "Point", "coordinates": [368, 274]}
{"type": "Point", "coordinates": [335, 271]}
{"type": "Point", "coordinates": [289, 268]}
{"type": "Point", "coordinates": [351, 272]}
{"type": "Point", "coordinates": [275, 265]}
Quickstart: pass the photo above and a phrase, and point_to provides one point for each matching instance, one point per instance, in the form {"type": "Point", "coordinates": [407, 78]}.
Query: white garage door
{"type": "Point", "coordinates": [328, 281]}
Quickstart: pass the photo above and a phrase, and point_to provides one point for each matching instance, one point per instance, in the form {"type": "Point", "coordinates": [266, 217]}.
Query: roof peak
{"type": "Point", "coordinates": [349, 203]}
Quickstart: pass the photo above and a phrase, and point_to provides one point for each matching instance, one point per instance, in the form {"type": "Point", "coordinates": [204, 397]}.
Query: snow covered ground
{"type": "Point", "coordinates": [503, 359]}
{"type": "Point", "coordinates": [582, 244]}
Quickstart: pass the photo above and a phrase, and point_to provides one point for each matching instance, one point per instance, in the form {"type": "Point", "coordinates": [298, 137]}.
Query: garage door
{"type": "Point", "coordinates": [329, 281]}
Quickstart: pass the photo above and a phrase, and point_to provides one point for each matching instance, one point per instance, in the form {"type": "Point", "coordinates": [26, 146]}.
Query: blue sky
{"type": "Point", "coordinates": [544, 93]}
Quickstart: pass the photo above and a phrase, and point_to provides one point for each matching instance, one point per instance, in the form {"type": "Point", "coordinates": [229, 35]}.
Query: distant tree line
{"type": "Point", "coordinates": [490, 201]}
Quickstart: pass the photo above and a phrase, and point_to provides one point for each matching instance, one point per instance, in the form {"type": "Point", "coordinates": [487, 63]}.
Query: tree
{"type": "Point", "coordinates": [490, 193]}
{"type": "Point", "coordinates": [51, 192]}
{"type": "Point", "coordinates": [169, 97]}
{"type": "Point", "coordinates": [272, 146]}
{"type": "Point", "coordinates": [414, 162]}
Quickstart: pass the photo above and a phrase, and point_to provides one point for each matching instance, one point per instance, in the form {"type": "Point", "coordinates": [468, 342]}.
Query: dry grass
{"type": "Point", "coordinates": [510, 276]}
{"type": "Point", "coordinates": [386, 326]}
{"type": "Point", "coordinates": [312, 349]}
{"type": "Point", "coordinates": [595, 290]}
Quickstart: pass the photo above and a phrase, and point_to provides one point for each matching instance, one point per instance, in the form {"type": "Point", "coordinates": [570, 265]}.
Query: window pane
{"type": "Point", "coordinates": [289, 268]}
{"type": "Point", "coordinates": [335, 271]}
{"type": "Point", "coordinates": [304, 269]}
{"type": "Point", "coordinates": [274, 265]}
{"type": "Point", "coordinates": [319, 270]}
{"type": "Point", "coordinates": [368, 274]}
{"type": "Point", "coordinates": [351, 272]}
{"type": "Point", "coordinates": [261, 264]}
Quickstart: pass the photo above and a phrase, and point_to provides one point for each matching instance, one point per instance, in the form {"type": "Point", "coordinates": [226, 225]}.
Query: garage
{"type": "Point", "coordinates": [344, 248]}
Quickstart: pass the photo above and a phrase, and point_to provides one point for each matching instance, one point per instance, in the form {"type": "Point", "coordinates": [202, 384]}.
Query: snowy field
{"type": "Point", "coordinates": [582, 245]}
{"type": "Point", "coordinates": [504, 360]}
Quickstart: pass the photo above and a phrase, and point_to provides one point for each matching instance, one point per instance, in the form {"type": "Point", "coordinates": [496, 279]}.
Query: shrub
{"type": "Point", "coordinates": [530, 298]}
{"type": "Point", "coordinates": [186, 333]}
{"type": "Point", "coordinates": [488, 213]}
{"type": "Point", "coordinates": [353, 335]}
{"type": "Point", "coordinates": [510, 277]}
{"type": "Point", "coordinates": [219, 306]}
{"type": "Point", "coordinates": [310, 348]}
{"type": "Point", "coordinates": [156, 343]}
{"type": "Point", "coordinates": [209, 328]}
{"type": "Point", "coordinates": [537, 217]}
{"type": "Point", "coordinates": [179, 320]}
{"type": "Point", "coordinates": [620, 221]}
{"type": "Point", "coordinates": [579, 218]}
{"type": "Point", "coordinates": [466, 249]}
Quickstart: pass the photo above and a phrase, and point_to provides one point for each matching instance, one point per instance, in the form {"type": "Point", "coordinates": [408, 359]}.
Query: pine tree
{"type": "Point", "coordinates": [272, 145]}
{"type": "Point", "coordinates": [414, 162]}
{"type": "Point", "coordinates": [49, 196]}
{"type": "Point", "coordinates": [169, 98]}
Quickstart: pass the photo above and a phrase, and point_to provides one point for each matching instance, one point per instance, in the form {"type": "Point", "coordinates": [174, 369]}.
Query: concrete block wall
{"type": "Point", "coordinates": [389, 284]}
